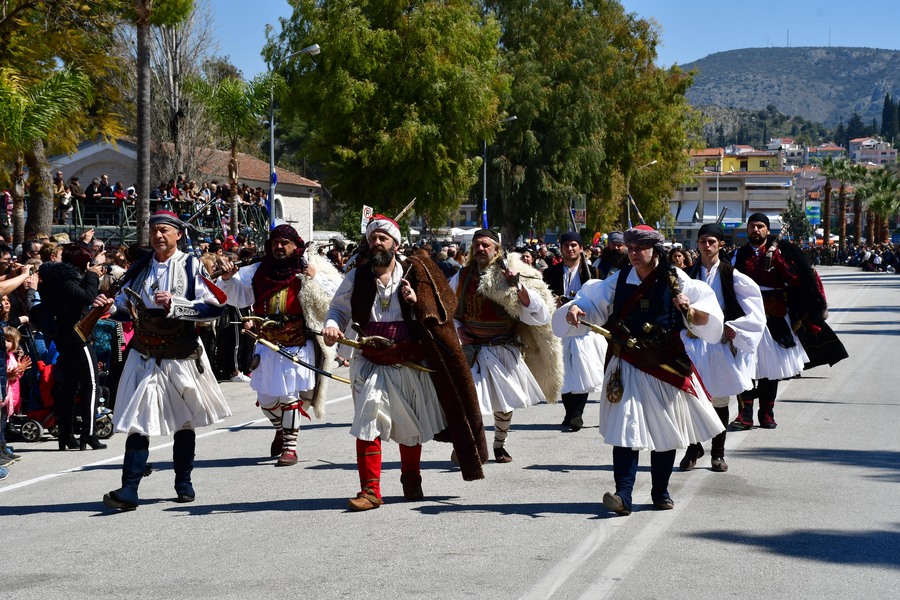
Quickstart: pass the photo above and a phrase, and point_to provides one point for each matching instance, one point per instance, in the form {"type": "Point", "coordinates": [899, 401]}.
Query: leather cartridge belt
{"type": "Point", "coordinates": [286, 333]}
{"type": "Point", "coordinates": [399, 353]}
{"type": "Point", "coordinates": [775, 303]}
{"type": "Point", "coordinates": [178, 340]}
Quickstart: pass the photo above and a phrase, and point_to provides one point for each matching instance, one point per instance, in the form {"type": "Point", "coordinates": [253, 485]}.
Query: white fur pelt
{"type": "Point", "coordinates": [543, 350]}
{"type": "Point", "coordinates": [315, 301]}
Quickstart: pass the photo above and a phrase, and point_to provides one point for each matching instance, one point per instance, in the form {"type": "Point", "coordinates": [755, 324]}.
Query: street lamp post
{"type": "Point", "coordinates": [484, 219]}
{"type": "Point", "coordinates": [628, 199]}
{"type": "Point", "coordinates": [273, 179]}
{"type": "Point", "coordinates": [718, 170]}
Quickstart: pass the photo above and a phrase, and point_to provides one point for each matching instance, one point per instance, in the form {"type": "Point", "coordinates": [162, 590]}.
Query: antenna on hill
{"type": "Point", "coordinates": [829, 37]}
{"type": "Point", "coordinates": [788, 38]}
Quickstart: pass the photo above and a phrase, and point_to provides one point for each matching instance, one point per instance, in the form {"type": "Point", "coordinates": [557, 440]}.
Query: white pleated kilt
{"type": "Point", "coordinates": [503, 380]}
{"type": "Point", "coordinates": [723, 373]}
{"type": "Point", "coordinates": [776, 362]}
{"type": "Point", "coordinates": [278, 376]}
{"type": "Point", "coordinates": [396, 403]}
{"type": "Point", "coordinates": [583, 358]}
{"type": "Point", "coordinates": [159, 400]}
{"type": "Point", "coordinates": [654, 415]}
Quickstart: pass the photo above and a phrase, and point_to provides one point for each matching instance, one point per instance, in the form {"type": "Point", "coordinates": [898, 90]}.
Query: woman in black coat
{"type": "Point", "coordinates": [69, 287]}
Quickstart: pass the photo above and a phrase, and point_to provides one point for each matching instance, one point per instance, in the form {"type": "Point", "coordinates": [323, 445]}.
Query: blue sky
{"type": "Point", "coordinates": [690, 29]}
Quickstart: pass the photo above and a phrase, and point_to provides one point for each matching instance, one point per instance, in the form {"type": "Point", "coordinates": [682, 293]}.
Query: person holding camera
{"type": "Point", "coordinates": [289, 296]}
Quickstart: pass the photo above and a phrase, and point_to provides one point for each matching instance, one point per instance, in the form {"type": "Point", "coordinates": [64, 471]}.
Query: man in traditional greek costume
{"type": "Point", "coordinates": [726, 367]}
{"type": "Point", "coordinates": [291, 297]}
{"type": "Point", "coordinates": [582, 354]}
{"type": "Point", "coordinates": [780, 354]}
{"type": "Point", "coordinates": [653, 399]}
{"type": "Point", "coordinates": [504, 310]}
{"type": "Point", "coordinates": [167, 384]}
{"type": "Point", "coordinates": [407, 301]}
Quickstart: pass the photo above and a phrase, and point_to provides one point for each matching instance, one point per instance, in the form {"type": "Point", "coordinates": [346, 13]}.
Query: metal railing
{"type": "Point", "coordinates": [118, 224]}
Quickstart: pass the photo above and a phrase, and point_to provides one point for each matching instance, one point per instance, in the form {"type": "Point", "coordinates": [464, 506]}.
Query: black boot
{"type": "Point", "coordinates": [183, 463]}
{"type": "Point", "coordinates": [693, 452]}
{"type": "Point", "coordinates": [137, 451]}
{"type": "Point", "coordinates": [718, 443]}
{"type": "Point", "coordinates": [744, 419]}
{"type": "Point", "coordinates": [625, 464]}
{"type": "Point", "coordinates": [768, 390]}
{"type": "Point", "coordinates": [661, 465]}
{"type": "Point", "coordinates": [91, 440]}
{"type": "Point", "coordinates": [574, 404]}
{"type": "Point", "coordinates": [68, 442]}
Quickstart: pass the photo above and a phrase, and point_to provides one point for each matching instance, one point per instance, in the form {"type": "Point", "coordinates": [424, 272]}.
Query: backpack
{"type": "Point", "coordinates": [44, 319]}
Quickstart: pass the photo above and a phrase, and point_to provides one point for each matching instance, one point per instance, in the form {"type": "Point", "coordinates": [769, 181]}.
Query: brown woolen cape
{"type": "Point", "coordinates": [434, 310]}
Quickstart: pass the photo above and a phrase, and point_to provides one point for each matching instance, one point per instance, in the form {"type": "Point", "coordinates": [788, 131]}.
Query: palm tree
{"type": "Point", "coordinates": [236, 108]}
{"type": "Point", "coordinates": [144, 14]}
{"type": "Point", "coordinates": [845, 173]}
{"type": "Point", "coordinates": [860, 176]}
{"type": "Point", "coordinates": [883, 193]}
{"type": "Point", "coordinates": [142, 24]}
{"type": "Point", "coordinates": [28, 112]}
{"type": "Point", "coordinates": [828, 168]}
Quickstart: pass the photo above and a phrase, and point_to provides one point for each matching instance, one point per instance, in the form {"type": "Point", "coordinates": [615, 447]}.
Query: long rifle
{"type": "Point", "coordinates": [359, 346]}
{"type": "Point", "coordinates": [293, 357]}
{"type": "Point", "coordinates": [405, 210]}
{"type": "Point", "coordinates": [86, 325]}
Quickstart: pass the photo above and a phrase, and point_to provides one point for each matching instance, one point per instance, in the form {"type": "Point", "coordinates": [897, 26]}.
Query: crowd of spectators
{"type": "Point", "coordinates": [101, 201]}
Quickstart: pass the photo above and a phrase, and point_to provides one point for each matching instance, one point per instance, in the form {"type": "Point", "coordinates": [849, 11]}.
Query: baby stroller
{"type": "Point", "coordinates": [31, 425]}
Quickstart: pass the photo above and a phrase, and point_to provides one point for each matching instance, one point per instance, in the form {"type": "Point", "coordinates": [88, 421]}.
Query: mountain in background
{"type": "Point", "coordinates": [819, 84]}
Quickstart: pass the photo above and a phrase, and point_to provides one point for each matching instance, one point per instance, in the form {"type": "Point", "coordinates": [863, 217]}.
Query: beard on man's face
{"type": "Point", "coordinates": [756, 238]}
{"type": "Point", "coordinates": [381, 258]}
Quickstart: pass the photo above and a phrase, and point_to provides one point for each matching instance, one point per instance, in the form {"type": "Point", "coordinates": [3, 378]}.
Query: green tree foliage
{"type": "Point", "coordinates": [37, 37]}
{"type": "Point", "coordinates": [889, 119]}
{"type": "Point", "coordinates": [592, 109]}
{"type": "Point", "coordinates": [881, 192]}
{"type": "Point", "coordinates": [236, 108]}
{"type": "Point", "coordinates": [400, 97]}
{"type": "Point", "coordinates": [27, 114]}
{"type": "Point", "coordinates": [846, 174]}
{"type": "Point", "coordinates": [856, 128]}
{"type": "Point", "coordinates": [795, 217]}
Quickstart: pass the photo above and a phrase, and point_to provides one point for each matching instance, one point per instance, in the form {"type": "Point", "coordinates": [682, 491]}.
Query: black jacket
{"type": "Point", "coordinates": [69, 295]}
{"type": "Point", "coordinates": [553, 275]}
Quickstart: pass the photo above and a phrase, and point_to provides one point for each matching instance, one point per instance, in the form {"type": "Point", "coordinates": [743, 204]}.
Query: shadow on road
{"type": "Point", "coordinates": [535, 510]}
{"type": "Point", "coordinates": [864, 548]}
{"type": "Point", "coordinates": [868, 332]}
{"type": "Point", "coordinates": [883, 464]}
{"type": "Point", "coordinates": [287, 505]}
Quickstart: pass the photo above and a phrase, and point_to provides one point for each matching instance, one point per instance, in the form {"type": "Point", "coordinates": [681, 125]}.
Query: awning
{"type": "Point", "coordinates": [686, 212]}
{"type": "Point", "coordinates": [711, 210]}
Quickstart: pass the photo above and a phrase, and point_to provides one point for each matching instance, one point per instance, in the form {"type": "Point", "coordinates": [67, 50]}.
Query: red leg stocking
{"type": "Point", "coordinates": [368, 461]}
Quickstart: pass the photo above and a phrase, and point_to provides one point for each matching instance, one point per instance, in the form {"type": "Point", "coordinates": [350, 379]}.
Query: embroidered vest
{"type": "Point", "coordinates": [283, 310]}
{"type": "Point", "coordinates": [485, 319]}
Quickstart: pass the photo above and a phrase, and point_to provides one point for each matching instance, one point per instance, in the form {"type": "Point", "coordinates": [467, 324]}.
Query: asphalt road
{"type": "Point", "coordinates": [808, 510]}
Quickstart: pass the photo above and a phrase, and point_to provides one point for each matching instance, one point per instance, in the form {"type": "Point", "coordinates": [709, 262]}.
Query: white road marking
{"type": "Point", "coordinates": [15, 486]}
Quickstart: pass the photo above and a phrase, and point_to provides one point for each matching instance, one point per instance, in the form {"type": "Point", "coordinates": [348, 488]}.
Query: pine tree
{"type": "Point", "coordinates": [888, 118]}
{"type": "Point", "coordinates": [855, 127]}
